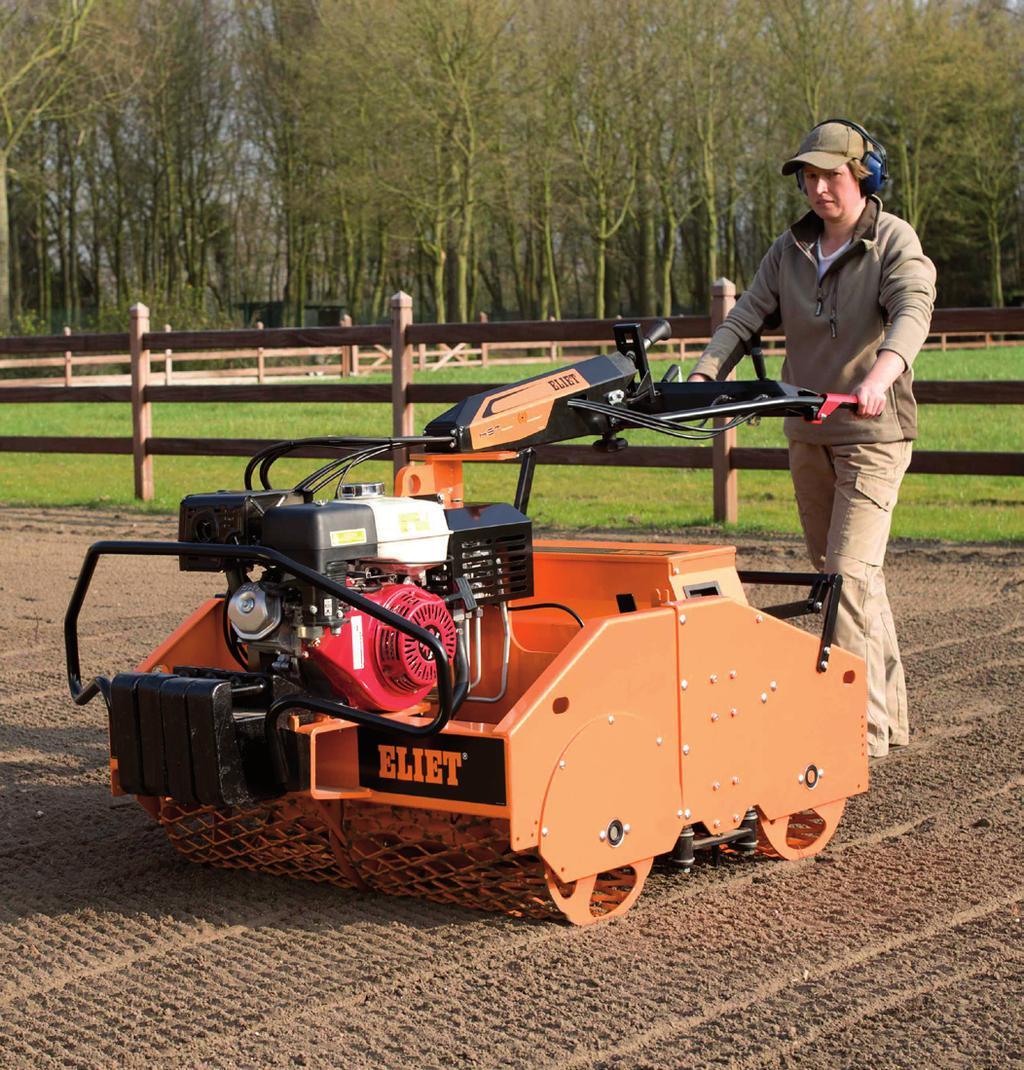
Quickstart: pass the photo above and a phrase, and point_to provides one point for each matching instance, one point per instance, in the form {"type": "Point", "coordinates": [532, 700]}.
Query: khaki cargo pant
{"type": "Point", "coordinates": [846, 495]}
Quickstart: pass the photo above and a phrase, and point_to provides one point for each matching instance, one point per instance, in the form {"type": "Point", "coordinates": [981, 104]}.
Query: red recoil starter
{"type": "Point", "coordinates": [375, 666]}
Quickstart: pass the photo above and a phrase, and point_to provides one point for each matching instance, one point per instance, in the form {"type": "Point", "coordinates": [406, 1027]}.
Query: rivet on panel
{"type": "Point", "coordinates": [686, 748]}
{"type": "Point", "coordinates": [684, 684]}
{"type": "Point", "coordinates": [611, 718]}
{"type": "Point", "coordinates": [602, 835]}
{"type": "Point", "coordinates": [718, 824]}
{"type": "Point", "coordinates": [821, 773]}
{"type": "Point", "coordinates": [735, 779]}
{"type": "Point", "coordinates": [714, 717]}
{"type": "Point", "coordinates": [544, 831]}
{"type": "Point", "coordinates": [800, 779]}
{"type": "Point", "coordinates": [561, 764]}
{"type": "Point", "coordinates": [713, 678]}
{"type": "Point", "coordinates": [764, 696]}
{"type": "Point", "coordinates": [685, 813]}
{"type": "Point", "coordinates": [759, 619]}
{"type": "Point", "coordinates": [682, 618]}
{"type": "Point", "coordinates": [715, 786]}
{"type": "Point", "coordinates": [625, 828]}
{"type": "Point", "coordinates": [735, 817]}
{"type": "Point", "coordinates": [774, 686]}
{"type": "Point", "coordinates": [679, 813]}
{"type": "Point", "coordinates": [659, 741]}
{"type": "Point", "coordinates": [732, 674]}
{"type": "Point", "coordinates": [733, 712]}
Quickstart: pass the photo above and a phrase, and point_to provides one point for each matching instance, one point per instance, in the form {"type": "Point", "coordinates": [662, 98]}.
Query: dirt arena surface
{"type": "Point", "coordinates": [901, 945]}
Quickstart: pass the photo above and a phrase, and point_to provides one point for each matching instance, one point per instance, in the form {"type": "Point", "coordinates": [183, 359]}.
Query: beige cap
{"type": "Point", "coordinates": [827, 147]}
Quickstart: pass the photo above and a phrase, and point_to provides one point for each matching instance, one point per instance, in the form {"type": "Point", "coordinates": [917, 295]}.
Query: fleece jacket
{"type": "Point", "coordinates": [877, 295]}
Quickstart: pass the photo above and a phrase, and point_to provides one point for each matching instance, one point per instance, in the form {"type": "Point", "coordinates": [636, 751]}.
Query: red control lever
{"type": "Point", "coordinates": [833, 402]}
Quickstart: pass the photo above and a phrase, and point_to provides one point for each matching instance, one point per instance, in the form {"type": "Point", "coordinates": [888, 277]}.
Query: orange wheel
{"type": "Point", "coordinates": [601, 895]}
{"type": "Point", "coordinates": [798, 835]}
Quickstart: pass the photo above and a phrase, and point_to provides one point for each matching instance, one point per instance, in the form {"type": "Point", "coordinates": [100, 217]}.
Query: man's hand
{"type": "Point", "coordinates": [872, 391]}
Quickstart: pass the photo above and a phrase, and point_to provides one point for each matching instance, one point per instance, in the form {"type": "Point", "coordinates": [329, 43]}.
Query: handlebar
{"type": "Point", "coordinates": [449, 697]}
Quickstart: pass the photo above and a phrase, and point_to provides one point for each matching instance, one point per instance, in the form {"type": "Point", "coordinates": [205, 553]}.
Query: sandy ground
{"type": "Point", "coordinates": [901, 946]}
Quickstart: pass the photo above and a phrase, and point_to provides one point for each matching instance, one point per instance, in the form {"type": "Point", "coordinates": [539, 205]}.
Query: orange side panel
{"type": "Point", "coordinates": [625, 768]}
{"type": "Point", "coordinates": [756, 714]}
{"type": "Point", "coordinates": [199, 640]}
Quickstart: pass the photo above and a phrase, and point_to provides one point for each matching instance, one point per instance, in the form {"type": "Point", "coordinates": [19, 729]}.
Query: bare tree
{"type": "Point", "coordinates": [36, 43]}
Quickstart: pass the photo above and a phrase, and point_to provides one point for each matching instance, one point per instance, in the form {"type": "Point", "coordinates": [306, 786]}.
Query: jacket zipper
{"type": "Point", "coordinates": [833, 316]}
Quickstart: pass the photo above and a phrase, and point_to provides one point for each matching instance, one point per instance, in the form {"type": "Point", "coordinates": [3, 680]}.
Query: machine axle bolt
{"type": "Point", "coordinates": [246, 603]}
{"type": "Point", "coordinates": [686, 748]}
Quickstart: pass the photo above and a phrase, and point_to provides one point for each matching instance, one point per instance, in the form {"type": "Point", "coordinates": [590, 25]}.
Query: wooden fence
{"type": "Point", "coordinates": [401, 342]}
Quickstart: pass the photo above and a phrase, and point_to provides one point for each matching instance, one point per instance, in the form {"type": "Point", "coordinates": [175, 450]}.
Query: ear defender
{"type": "Point", "coordinates": [874, 159]}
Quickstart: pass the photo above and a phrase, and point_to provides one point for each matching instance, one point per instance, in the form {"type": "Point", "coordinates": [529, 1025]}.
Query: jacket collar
{"type": "Point", "coordinates": [807, 229]}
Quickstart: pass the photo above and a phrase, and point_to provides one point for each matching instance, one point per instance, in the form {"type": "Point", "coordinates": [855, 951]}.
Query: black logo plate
{"type": "Point", "coordinates": [464, 768]}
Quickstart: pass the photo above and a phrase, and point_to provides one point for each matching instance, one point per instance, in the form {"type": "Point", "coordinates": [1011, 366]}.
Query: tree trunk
{"type": "Point", "coordinates": [549, 250]}
{"type": "Point", "coordinates": [5, 251]}
{"type": "Point", "coordinates": [996, 257]}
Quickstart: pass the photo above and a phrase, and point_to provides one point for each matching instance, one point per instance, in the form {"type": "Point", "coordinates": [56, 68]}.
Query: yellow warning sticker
{"type": "Point", "coordinates": [349, 537]}
{"type": "Point", "coordinates": [408, 523]}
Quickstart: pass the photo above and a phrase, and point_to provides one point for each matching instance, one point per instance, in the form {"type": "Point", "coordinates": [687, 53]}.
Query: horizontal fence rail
{"type": "Point", "coordinates": [142, 348]}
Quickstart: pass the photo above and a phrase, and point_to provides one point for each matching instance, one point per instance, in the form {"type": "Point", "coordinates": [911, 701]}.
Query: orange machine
{"type": "Point", "coordinates": [601, 705]}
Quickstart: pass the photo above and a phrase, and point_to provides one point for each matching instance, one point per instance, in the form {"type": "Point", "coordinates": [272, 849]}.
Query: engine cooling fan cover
{"type": "Point", "coordinates": [374, 665]}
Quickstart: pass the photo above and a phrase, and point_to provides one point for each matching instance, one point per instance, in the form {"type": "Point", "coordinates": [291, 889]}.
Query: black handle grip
{"type": "Point", "coordinates": [658, 332]}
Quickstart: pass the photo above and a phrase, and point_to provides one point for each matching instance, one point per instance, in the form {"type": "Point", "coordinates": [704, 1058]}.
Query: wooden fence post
{"type": "Point", "coordinates": [142, 412]}
{"type": "Point", "coordinates": [723, 297]}
{"type": "Point", "coordinates": [553, 348]}
{"type": "Point", "coordinates": [401, 373]}
{"type": "Point", "coordinates": [346, 351]}
{"type": "Point", "coordinates": [485, 349]}
{"type": "Point", "coordinates": [67, 361]}
{"type": "Point", "coordinates": [168, 359]}
{"type": "Point", "coordinates": [261, 371]}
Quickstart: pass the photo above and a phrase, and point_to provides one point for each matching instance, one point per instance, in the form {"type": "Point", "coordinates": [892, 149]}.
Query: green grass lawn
{"type": "Point", "coordinates": [950, 507]}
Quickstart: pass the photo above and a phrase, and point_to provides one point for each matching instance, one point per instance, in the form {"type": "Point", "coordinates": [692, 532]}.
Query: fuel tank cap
{"type": "Point", "coordinates": [350, 491]}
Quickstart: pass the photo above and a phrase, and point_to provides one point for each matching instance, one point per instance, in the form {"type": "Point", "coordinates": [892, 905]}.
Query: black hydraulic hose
{"type": "Point", "coordinates": [549, 605]}
{"type": "Point", "coordinates": [446, 694]}
{"type": "Point", "coordinates": [285, 705]}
